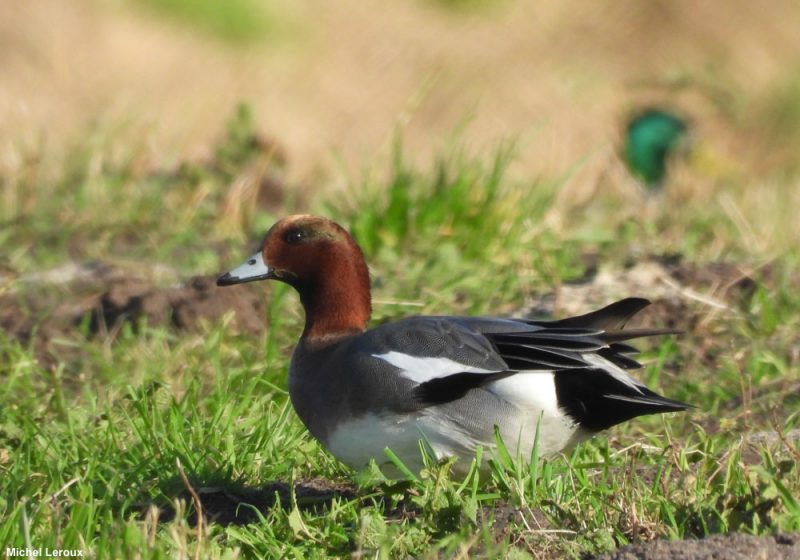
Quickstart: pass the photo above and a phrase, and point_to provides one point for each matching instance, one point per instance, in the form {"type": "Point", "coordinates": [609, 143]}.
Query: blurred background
{"type": "Point", "coordinates": [329, 82]}
{"type": "Point", "coordinates": [490, 157]}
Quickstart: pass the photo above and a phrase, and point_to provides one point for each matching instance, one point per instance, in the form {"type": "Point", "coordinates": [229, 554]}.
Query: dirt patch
{"type": "Point", "coordinates": [185, 307]}
{"type": "Point", "coordinates": [97, 299]}
{"type": "Point", "coordinates": [684, 295]}
{"type": "Point", "coordinates": [225, 506]}
{"type": "Point", "coordinates": [730, 547]}
{"type": "Point", "coordinates": [242, 506]}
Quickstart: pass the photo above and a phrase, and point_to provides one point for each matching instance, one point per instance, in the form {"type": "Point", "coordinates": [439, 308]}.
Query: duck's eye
{"type": "Point", "coordinates": [294, 236]}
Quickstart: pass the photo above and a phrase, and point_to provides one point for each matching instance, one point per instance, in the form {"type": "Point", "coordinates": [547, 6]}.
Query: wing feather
{"type": "Point", "coordinates": [446, 357]}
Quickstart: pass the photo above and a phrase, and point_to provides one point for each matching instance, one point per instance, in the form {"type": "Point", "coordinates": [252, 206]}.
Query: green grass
{"type": "Point", "coordinates": [236, 21]}
{"type": "Point", "coordinates": [94, 442]}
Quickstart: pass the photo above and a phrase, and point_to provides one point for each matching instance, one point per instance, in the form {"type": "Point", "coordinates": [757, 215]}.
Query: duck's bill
{"type": "Point", "coordinates": [250, 270]}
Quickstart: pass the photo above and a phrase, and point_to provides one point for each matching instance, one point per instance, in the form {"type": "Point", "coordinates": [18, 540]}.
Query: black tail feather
{"type": "Point", "coordinates": [609, 318]}
{"type": "Point", "coordinates": [555, 339]}
{"type": "Point", "coordinates": [630, 334]}
{"type": "Point", "coordinates": [596, 400]}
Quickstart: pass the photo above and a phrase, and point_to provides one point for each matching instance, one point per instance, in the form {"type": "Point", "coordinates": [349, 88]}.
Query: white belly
{"type": "Point", "coordinates": [532, 395]}
{"type": "Point", "coordinates": [361, 439]}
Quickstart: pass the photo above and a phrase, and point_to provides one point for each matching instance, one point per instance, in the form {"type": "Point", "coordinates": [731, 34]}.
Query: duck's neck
{"type": "Point", "coordinates": [338, 302]}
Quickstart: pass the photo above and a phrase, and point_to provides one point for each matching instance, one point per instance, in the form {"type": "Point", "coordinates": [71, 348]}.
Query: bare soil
{"type": "Point", "coordinates": [685, 295]}
{"type": "Point", "coordinates": [240, 506]}
{"type": "Point", "coordinates": [735, 546]}
{"type": "Point", "coordinates": [102, 299]}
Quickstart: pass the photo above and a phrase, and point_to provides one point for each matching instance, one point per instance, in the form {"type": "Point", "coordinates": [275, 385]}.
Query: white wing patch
{"type": "Point", "coordinates": [422, 368]}
{"type": "Point", "coordinates": [613, 370]}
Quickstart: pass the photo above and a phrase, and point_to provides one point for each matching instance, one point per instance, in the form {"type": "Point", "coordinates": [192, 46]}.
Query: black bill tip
{"type": "Point", "coordinates": [227, 279]}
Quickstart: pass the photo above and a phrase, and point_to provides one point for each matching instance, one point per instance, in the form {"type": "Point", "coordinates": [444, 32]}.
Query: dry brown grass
{"type": "Point", "coordinates": [341, 75]}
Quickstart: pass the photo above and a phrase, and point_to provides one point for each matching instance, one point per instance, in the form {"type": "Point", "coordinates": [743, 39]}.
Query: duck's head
{"type": "Point", "coordinates": [323, 263]}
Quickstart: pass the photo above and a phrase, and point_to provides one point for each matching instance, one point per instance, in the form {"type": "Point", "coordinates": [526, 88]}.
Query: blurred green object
{"type": "Point", "coordinates": [239, 21]}
{"type": "Point", "coordinates": [652, 135]}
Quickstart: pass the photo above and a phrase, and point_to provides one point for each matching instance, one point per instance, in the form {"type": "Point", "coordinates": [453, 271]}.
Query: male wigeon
{"type": "Point", "coordinates": [447, 381]}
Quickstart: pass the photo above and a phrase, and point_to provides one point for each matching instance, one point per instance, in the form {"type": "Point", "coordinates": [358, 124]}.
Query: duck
{"type": "Point", "coordinates": [652, 136]}
{"type": "Point", "coordinates": [446, 384]}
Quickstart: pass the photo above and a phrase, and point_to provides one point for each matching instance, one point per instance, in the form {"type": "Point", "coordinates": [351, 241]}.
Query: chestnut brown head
{"type": "Point", "coordinates": [322, 262]}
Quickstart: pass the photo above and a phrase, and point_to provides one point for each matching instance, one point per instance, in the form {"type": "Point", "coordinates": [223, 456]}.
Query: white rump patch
{"type": "Point", "coordinates": [528, 390]}
{"type": "Point", "coordinates": [423, 368]}
{"type": "Point", "coordinates": [533, 393]}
